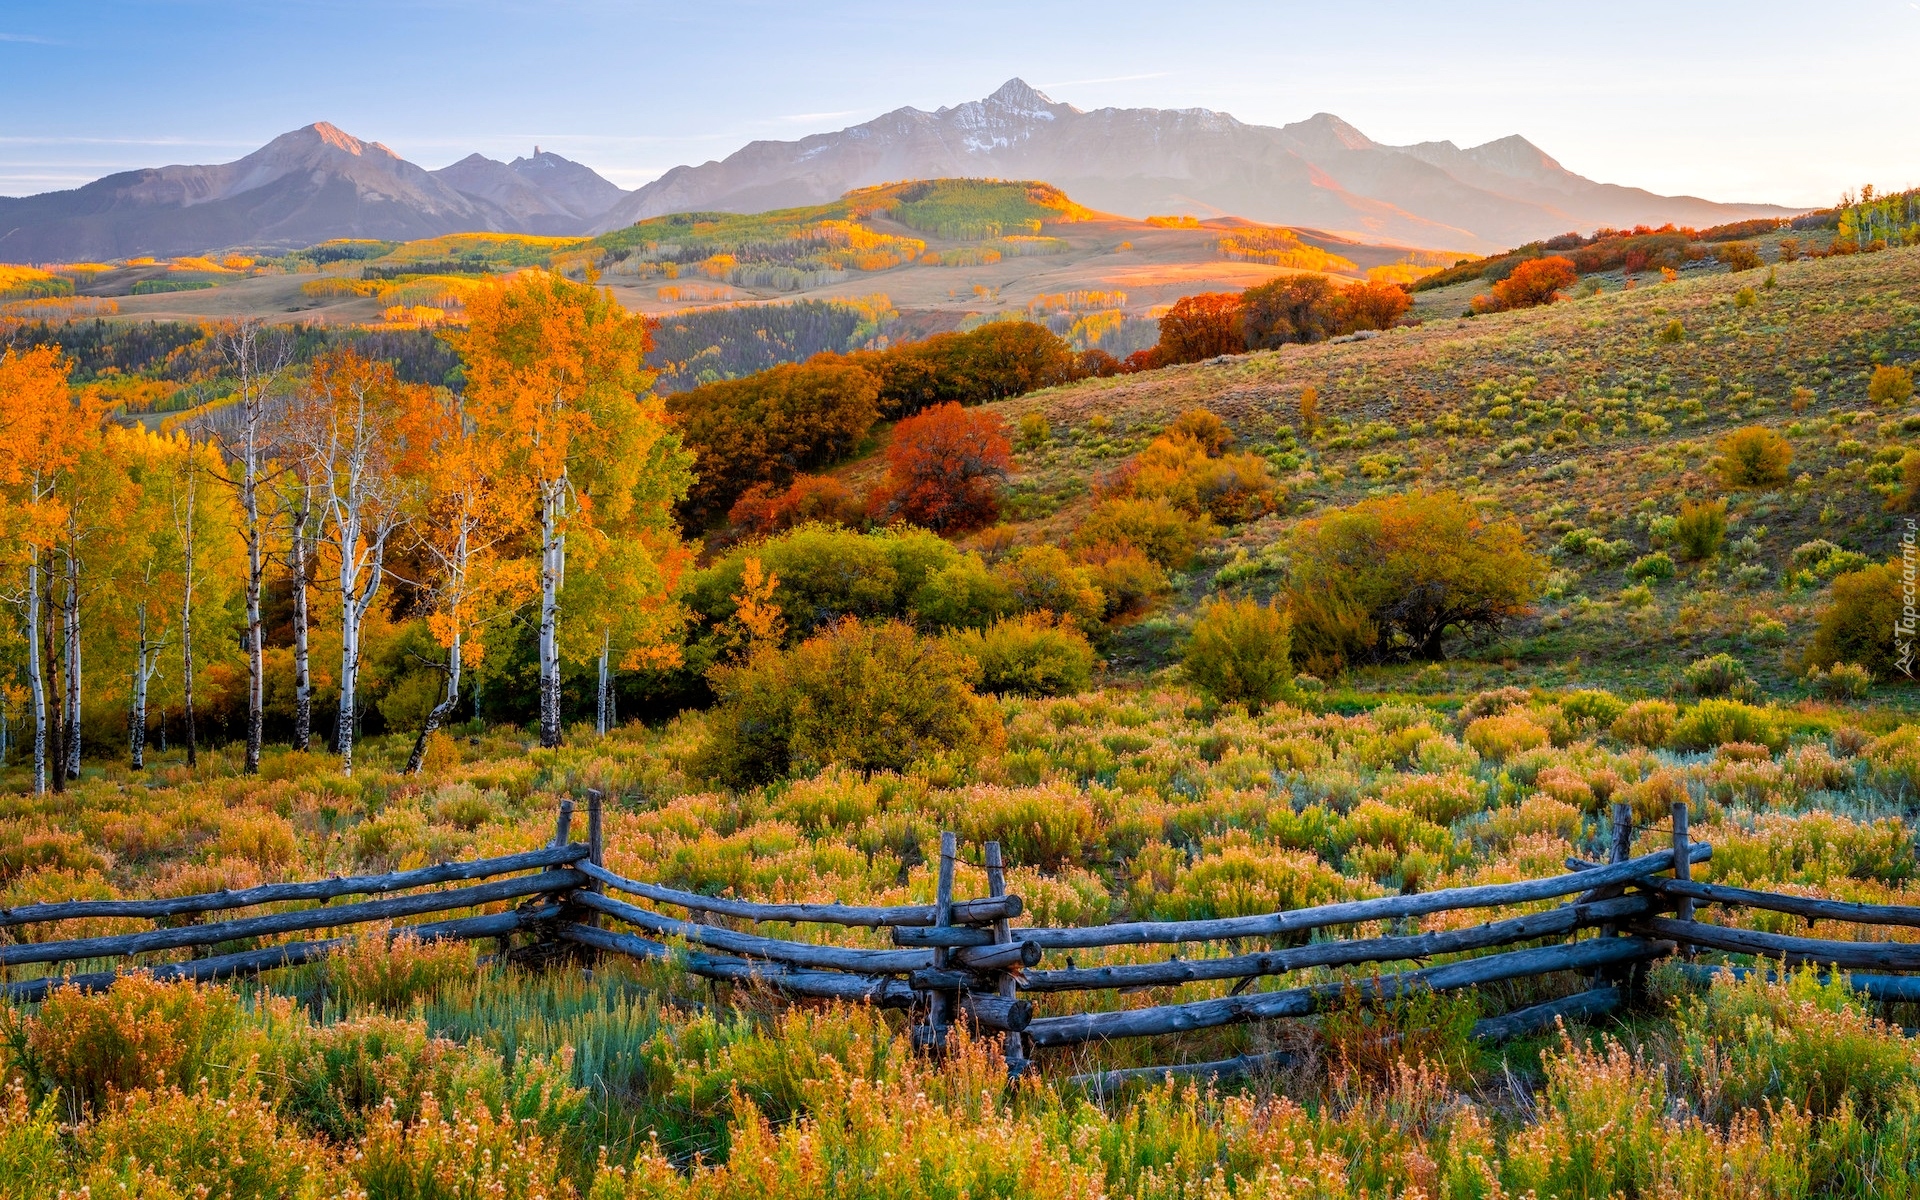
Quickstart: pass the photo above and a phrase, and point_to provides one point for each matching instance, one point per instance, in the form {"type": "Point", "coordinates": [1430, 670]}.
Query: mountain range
{"type": "Point", "coordinates": [1321, 172]}
{"type": "Point", "coordinates": [302, 187]}
{"type": "Point", "coordinates": [320, 182]}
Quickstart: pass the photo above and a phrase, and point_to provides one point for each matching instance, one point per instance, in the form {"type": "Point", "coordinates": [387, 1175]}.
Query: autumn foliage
{"type": "Point", "coordinates": [770, 426]}
{"type": "Point", "coordinates": [1288, 309]}
{"type": "Point", "coordinates": [944, 469]}
{"type": "Point", "coordinates": [1533, 283]}
{"type": "Point", "coordinates": [820, 499]}
{"type": "Point", "coordinates": [1389, 578]}
{"type": "Point", "coordinates": [1201, 327]}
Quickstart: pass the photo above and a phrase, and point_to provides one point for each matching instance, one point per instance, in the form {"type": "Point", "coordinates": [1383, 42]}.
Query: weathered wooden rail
{"type": "Point", "coordinates": [964, 962]}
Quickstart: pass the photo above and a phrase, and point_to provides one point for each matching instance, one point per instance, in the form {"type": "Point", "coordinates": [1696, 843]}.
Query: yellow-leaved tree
{"type": "Point", "coordinates": [47, 432]}
{"type": "Point", "coordinates": [471, 519]}
{"type": "Point", "coordinates": [556, 375]}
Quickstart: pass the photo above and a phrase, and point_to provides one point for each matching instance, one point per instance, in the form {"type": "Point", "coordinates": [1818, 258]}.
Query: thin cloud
{"type": "Point", "coordinates": [28, 38]}
{"type": "Point", "coordinates": [1105, 79]}
{"type": "Point", "coordinates": [804, 118]}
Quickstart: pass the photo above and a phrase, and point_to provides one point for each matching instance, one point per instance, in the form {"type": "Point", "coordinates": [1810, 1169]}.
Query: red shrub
{"type": "Point", "coordinates": [811, 498]}
{"type": "Point", "coordinates": [944, 469]}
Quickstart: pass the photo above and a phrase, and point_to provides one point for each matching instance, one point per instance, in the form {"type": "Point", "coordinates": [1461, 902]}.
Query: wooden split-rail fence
{"type": "Point", "coordinates": [964, 962]}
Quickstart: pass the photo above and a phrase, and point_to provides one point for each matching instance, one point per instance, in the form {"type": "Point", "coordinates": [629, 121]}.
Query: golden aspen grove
{"type": "Point", "coordinates": [800, 687]}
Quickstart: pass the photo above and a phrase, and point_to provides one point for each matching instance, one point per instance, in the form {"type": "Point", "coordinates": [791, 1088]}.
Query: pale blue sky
{"type": "Point", "coordinates": [1734, 101]}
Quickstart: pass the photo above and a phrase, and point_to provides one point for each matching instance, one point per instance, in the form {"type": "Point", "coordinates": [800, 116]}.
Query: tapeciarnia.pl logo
{"type": "Point", "coordinates": [1909, 620]}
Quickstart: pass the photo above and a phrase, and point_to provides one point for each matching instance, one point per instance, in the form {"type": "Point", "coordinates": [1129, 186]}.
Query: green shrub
{"type": "Point", "coordinates": [1843, 681]}
{"type": "Point", "coordinates": [1713, 723]}
{"type": "Point", "coordinates": [1715, 675]}
{"type": "Point", "coordinates": [1045, 579]}
{"type": "Point", "coordinates": [866, 696]}
{"type": "Point", "coordinates": [1033, 430]}
{"type": "Point", "coordinates": [1155, 527]}
{"type": "Point", "coordinates": [1700, 529]}
{"type": "Point", "coordinates": [1037, 654]}
{"type": "Point", "coordinates": [1645, 723]}
{"type": "Point", "coordinates": [1417, 568]}
{"type": "Point", "coordinates": [1657, 565]}
{"type": "Point", "coordinates": [1858, 623]}
{"type": "Point", "coordinates": [1801, 1042]}
{"type": "Point", "coordinates": [1591, 708]}
{"type": "Point", "coordinates": [1238, 653]}
{"type": "Point", "coordinates": [964, 594]}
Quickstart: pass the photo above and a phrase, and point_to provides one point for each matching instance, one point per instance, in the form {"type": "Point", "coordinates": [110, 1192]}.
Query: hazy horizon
{"type": "Point", "coordinates": [1731, 102]}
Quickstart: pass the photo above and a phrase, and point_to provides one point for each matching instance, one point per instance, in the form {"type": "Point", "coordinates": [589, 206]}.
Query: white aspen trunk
{"type": "Point", "coordinates": [302, 674]}
{"type": "Point", "coordinates": [186, 626]}
{"type": "Point", "coordinates": [600, 713]}
{"type": "Point", "coordinates": [137, 717]}
{"type": "Point", "coordinates": [349, 667]}
{"type": "Point", "coordinates": [256, 569]}
{"type": "Point", "coordinates": [35, 682]}
{"type": "Point", "coordinates": [438, 714]}
{"type": "Point", "coordinates": [70, 622]}
{"type": "Point", "coordinates": [553, 566]}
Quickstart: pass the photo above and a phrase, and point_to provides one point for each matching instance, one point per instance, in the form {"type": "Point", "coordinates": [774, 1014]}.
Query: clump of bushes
{"type": "Point", "coordinates": [945, 466]}
{"type": "Point", "coordinates": [1501, 737]}
{"type": "Point", "coordinates": [1202, 482]}
{"type": "Point", "coordinates": [1842, 681]}
{"type": "Point", "coordinates": [1859, 620]}
{"type": "Point", "coordinates": [1239, 653]}
{"type": "Point", "coordinates": [1715, 675]}
{"type": "Point", "coordinates": [1712, 723]}
{"type": "Point", "coordinates": [1890, 384]}
{"type": "Point", "coordinates": [1161, 531]}
{"type": "Point", "coordinates": [1755, 457]}
{"type": "Point", "coordinates": [1700, 528]}
{"type": "Point", "coordinates": [1390, 578]}
{"type": "Point", "coordinates": [869, 696]}
{"type": "Point", "coordinates": [1645, 723]}
{"type": "Point", "coordinates": [1534, 282]}
{"type": "Point", "coordinates": [1657, 565]}
{"type": "Point", "coordinates": [1037, 654]}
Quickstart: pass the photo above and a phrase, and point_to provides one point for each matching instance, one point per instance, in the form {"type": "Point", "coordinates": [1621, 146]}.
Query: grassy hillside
{"type": "Point", "coordinates": [1595, 418]}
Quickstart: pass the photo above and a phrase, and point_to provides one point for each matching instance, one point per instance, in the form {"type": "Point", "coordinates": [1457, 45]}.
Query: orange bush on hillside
{"type": "Point", "coordinates": [1201, 327]}
{"type": "Point", "coordinates": [1533, 283]}
{"type": "Point", "coordinates": [944, 469]}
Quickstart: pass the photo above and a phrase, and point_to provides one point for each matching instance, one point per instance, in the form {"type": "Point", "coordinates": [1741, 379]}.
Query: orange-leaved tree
{"type": "Point", "coordinates": [1200, 327]}
{"type": "Point", "coordinates": [555, 371]}
{"type": "Point", "coordinates": [467, 525]}
{"type": "Point", "coordinates": [363, 437]}
{"type": "Point", "coordinates": [46, 433]}
{"type": "Point", "coordinates": [944, 469]}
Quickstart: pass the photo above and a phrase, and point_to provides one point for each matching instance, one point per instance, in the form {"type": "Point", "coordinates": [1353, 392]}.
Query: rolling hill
{"type": "Point", "coordinates": [1321, 172]}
